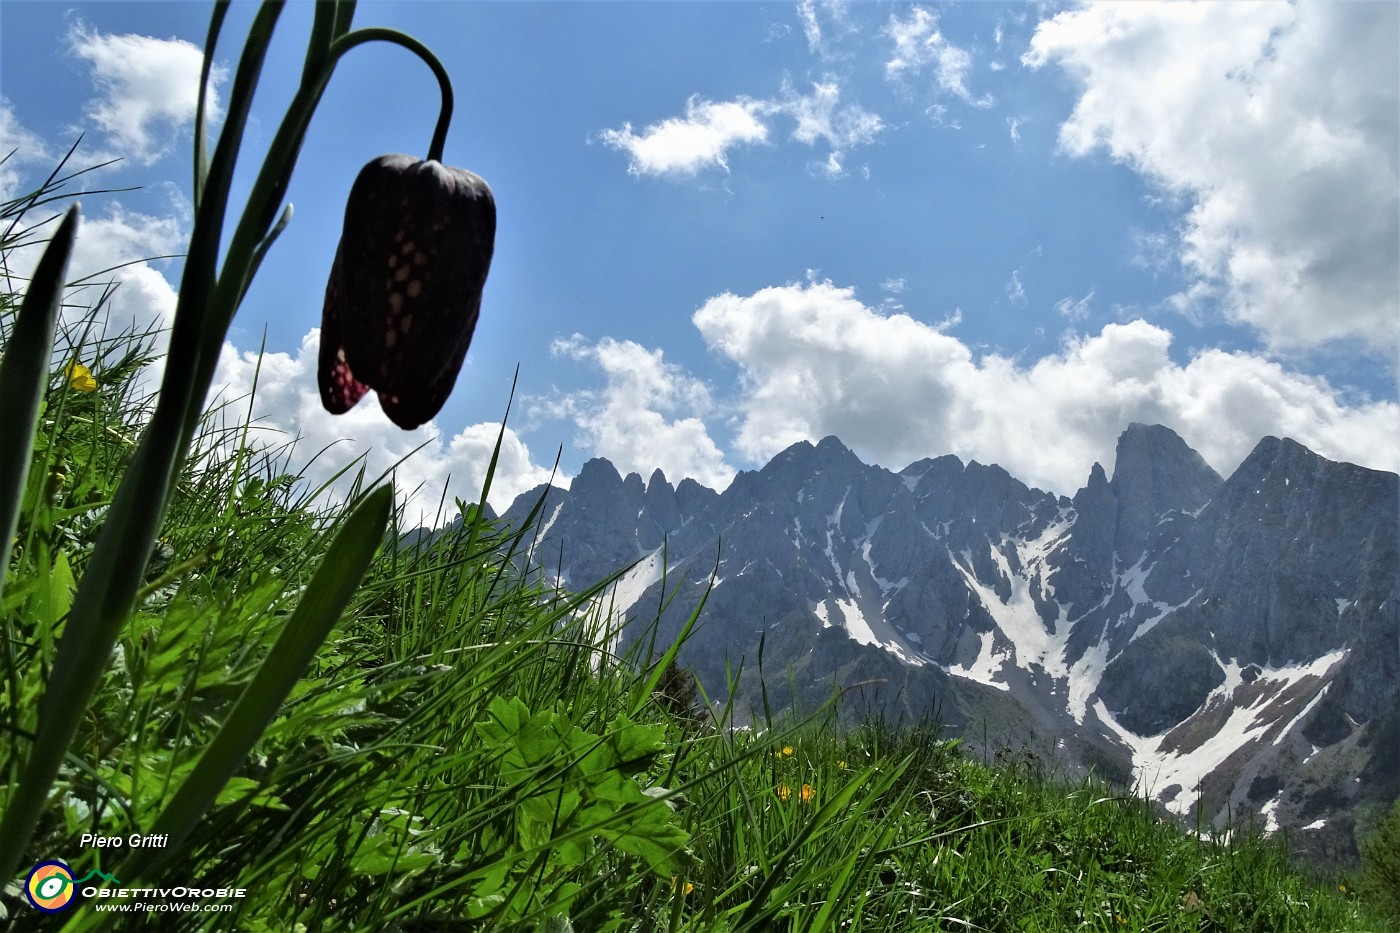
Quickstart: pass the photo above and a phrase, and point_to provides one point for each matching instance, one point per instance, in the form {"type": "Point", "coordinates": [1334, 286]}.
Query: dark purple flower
{"type": "Point", "coordinates": [405, 289]}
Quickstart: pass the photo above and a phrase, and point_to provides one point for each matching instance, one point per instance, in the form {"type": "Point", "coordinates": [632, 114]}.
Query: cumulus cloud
{"type": "Point", "coordinates": [117, 288]}
{"type": "Point", "coordinates": [1278, 124]}
{"type": "Point", "coordinates": [814, 360]}
{"type": "Point", "coordinates": [649, 415]}
{"type": "Point", "coordinates": [287, 406]}
{"type": "Point", "coordinates": [680, 147]}
{"type": "Point", "coordinates": [148, 89]}
{"type": "Point", "coordinates": [120, 248]}
{"type": "Point", "coordinates": [920, 45]}
{"type": "Point", "coordinates": [699, 140]}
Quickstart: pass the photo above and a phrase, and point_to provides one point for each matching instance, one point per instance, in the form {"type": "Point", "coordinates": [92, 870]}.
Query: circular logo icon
{"type": "Point", "coordinates": [50, 887]}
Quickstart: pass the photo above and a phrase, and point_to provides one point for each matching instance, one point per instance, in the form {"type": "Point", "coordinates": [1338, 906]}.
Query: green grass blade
{"type": "Point", "coordinates": [201, 139]}
{"type": "Point", "coordinates": [24, 374]}
{"type": "Point", "coordinates": [758, 910]}
{"type": "Point", "coordinates": [316, 614]}
{"type": "Point", "coordinates": [108, 589]}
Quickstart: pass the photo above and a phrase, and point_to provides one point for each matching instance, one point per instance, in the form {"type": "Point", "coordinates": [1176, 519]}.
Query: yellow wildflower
{"type": "Point", "coordinates": [808, 792]}
{"type": "Point", "coordinates": [80, 378]}
{"type": "Point", "coordinates": [787, 749]}
{"type": "Point", "coordinates": [841, 764]}
{"type": "Point", "coordinates": [784, 792]}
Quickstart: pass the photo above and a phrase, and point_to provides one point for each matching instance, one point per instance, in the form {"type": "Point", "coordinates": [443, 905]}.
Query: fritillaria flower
{"type": "Point", "coordinates": [405, 289]}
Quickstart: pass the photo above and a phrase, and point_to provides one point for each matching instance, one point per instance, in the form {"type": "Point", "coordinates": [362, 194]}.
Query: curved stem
{"type": "Point", "coordinates": [379, 34]}
{"type": "Point", "coordinates": [275, 176]}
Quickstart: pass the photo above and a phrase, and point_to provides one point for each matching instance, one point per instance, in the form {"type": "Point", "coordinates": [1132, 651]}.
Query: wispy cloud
{"type": "Point", "coordinates": [811, 28]}
{"type": "Point", "coordinates": [820, 118]}
{"type": "Point", "coordinates": [822, 41]}
{"type": "Point", "coordinates": [1074, 309]}
{"type": "Point", "coordinates": [1016, 291]}
{"type": "Point", "coordinates": [920, 45]}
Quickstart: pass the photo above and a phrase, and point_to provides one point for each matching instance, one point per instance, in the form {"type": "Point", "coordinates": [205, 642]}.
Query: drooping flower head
{"type": "Point", "coordinates": [405, 288]}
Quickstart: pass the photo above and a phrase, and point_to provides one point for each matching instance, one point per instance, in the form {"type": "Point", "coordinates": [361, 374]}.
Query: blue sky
{"type": "Point", "coordinates": [998, 231]}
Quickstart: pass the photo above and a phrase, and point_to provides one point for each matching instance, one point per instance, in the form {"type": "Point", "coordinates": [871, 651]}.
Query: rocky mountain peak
{"type": "Point", "coordinates": [1155, 473]}
{"type": "Point", "coordinates": [598, 476]}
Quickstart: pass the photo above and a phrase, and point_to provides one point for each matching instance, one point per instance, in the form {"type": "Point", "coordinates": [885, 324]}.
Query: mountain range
{"type": "Point", "coordinates": [1229, 647]}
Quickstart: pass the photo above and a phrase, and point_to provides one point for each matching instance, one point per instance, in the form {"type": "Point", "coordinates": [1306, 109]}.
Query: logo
{"type": "Point", "coordinates": [50, 886]}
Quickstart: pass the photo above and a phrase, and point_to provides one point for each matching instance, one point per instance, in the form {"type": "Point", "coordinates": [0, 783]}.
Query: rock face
{"type": "Point", "coordinates": [1230, 645]}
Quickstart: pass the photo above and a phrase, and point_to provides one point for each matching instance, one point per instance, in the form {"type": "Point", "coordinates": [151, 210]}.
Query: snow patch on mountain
{"type": "Point", "coordinates": [553, 517]}
{"type": "Point", "coordinates": [1162, 610]}
{"type": "Point", "coordinates": [986, 669]}
{"type": "Point", "coordinates": [1084, 676]}
{"type": "Point", "coordinates": [867, 630]}
{"type": "Point", "coordinates": [1172, 775]}
{"type": "Point", "coordinates": [619, 598]}
{"type": "Point", "coordinates": [1131, 580]}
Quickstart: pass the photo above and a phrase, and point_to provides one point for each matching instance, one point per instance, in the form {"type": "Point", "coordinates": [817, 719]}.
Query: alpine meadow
{"type": "Point", "coordinates": [971, 499]}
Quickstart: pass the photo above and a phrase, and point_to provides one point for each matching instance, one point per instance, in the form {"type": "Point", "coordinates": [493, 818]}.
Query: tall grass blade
{"type": "Point", "coordinates": [317, 612]}
{"type": "Point", "coordinates": [24, 374]}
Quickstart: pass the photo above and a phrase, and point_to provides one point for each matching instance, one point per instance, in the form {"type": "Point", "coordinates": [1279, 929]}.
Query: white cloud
{"type": "Point", "coordinates": [811, 28]}
{"type": "Point", "coordinates": [148, 89]}
{"type": "Point", "coordinates": [1013, 125]}
{"type": "Point", "coordinates": [30, 151]}
{"type": "Point", "coordinates": [1015, 290]}
{"type": "Point", "coordinates": [288, 406]}
{"type": "Point", "coordinates": [648, 416]}
{"type": "Point", "coordinates": [116, 290]}
{"type": "Point", "coordinates": [1075, 309]}
{"type": "Point", "coordinates": [681, 147]}
{"type": "Point", "coordinates": [814, 360]}
{"type": "Point", "coordinates": [700, 140]}
{"type": "Point", "coordinates": [820, 119]}
{"type": "Point", "coordinates": [893, 286]}
{"type": "Point", "coordinates": [818, 41]}
{"type": "Point", "coordinates": [1278, 125]}
{"type": "Point", "coordinates": [919, 44]}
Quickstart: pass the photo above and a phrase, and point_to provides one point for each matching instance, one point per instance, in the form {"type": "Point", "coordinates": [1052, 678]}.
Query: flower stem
{"type": "Point", "coordinates": [379, 34]}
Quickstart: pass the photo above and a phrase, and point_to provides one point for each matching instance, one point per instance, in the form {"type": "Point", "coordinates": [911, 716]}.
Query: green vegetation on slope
{"type": "Point", "coordinates": [462, 755]}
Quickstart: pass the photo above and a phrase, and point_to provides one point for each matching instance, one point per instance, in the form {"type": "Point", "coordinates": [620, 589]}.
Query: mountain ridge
{"type": "Point", "coordinates": [1208, 638]}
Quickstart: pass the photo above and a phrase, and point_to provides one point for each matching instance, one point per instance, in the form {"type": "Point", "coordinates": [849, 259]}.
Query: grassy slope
{"type": "Point", "coordinates": [461, 756]}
